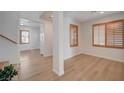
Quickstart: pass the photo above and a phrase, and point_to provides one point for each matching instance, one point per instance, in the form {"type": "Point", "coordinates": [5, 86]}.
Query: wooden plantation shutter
{"type": "Point", "coordinates": [110, 34]}
{"type": "Point", "coordinates": [114, 34]}
{"type": "Point", "coordinates": [96, 35]}
{"type": "Point", "coordinates": [73, 35]}
{"type": "Point", "coordinates": [99, 35]}
{"type": "Point", "coordinates": [102, 35]}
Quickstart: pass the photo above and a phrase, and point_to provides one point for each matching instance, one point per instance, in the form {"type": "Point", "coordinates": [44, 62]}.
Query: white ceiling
{"type": "Point", "coordinates": [31, 15]}
{"type": "Point", "coordinates": [30, 18]}
{"type": "Point", "coordinates": [83, 16]}
{"type": "Point", "coordinates": [28, 23]}
{"type": "Point", "coordinates": [47, 15]}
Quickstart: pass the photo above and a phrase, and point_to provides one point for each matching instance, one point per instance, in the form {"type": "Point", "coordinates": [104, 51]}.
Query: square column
{"type": "Point", "coordinates": [58, 33]}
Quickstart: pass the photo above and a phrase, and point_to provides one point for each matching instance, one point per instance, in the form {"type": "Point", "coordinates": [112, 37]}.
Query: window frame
{"type": "Point", "coordinates": [74, 45]}
{"type": "Point", "coordinates": [93, 35]}
{"type": "Point", "coordinates": [107, 46]}
{"type": "Point", "coordinates": [21, 36]}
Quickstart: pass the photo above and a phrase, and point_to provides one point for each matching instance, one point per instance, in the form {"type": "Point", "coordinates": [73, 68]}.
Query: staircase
{"type": "Point", "coordinates": [8, 50]}
{"type": "Point", "coordinates": [8, 39]}
{"type": "Point", "coordinates": [3, 63]}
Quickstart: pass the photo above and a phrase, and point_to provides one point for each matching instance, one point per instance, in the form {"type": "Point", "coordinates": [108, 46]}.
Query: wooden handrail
{"type": "Point", "coordinates": [8, 39]}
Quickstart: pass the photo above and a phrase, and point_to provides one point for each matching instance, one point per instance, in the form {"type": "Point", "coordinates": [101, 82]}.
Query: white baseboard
{"type": "Point", "coordinates": [72, 56]}
{"type": "Point", "coordinates": [48, 55]}
{"type": "Point", "coordinates": [58, 73]}
{"type": "Point", "coordinates": [29, 49]}
{"type": "Point", "coordinates": [110, 58]}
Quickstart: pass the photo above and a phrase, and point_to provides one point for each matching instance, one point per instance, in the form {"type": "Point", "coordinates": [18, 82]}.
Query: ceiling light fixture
{"type": "Point", "coordinates": [97, 12]}
{"type": "Point", "coordinates": [22, 24]}
{"type": "Point", "coordinates": [51, 16]}
{"type": "Point", "coordinates": [93, 12]}
{"type": "Point", "coordinates": [101, 12]}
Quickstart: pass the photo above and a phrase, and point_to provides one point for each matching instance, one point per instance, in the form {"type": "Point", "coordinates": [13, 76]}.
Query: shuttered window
{"type": "Point", "coordinates": [73, 35]}
{"type": "Point", "coordinates": [99, 35]}
{"type": "Point", "coordinates": [109, 34]}
{"type": "Point", "coordinates": [24, 36]}
{"type": "Point", "coordinates": [115, 34]}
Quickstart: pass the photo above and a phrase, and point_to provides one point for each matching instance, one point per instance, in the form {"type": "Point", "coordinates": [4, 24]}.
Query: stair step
{"type": "Point", "coordinates": [2, 63]}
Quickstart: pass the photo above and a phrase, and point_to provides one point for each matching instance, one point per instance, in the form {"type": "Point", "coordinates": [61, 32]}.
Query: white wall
{"type": "Point", "coordinates": [86, 38]}
{"type": "Point", "coordinates": [47, 44]}
{"type": "Point", "coordinates": [9, 26]}
{"type": "Point", "coordinates": [9, 22]}
{"type": "Point", "coordinates": [34, 38]}
{"type": "Point", "coordinates": [9, 51]}
{"type": "Point", "coordinates": [70, 51]}
{"type": "Point", "coordinates": [42, 42]}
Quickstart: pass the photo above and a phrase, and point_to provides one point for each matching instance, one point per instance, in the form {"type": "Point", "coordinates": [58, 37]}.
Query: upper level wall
{"type": "Point", "coordinates": [9, 26]}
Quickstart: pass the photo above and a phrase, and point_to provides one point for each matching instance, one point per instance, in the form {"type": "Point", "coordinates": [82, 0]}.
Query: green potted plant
{"type": "Point", "coordinates": [7, 73]}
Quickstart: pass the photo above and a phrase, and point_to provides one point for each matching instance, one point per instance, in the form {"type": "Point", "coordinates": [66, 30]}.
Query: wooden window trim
{"type": "Point", "coordinates": [21, 36]}
{"type": "Point", "coordinates": [109, 22]}
{"type": "Point", "coordinates": [123, 34]}
{"type": "Point", "coordinates": [106, 46]}
{"type": "Point", "coordinates": [76, 45]}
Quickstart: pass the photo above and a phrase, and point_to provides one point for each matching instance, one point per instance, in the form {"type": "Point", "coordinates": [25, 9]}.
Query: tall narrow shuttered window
{"type": "Point", "coordinates": [24, 36]}
{"type": "Point", "coordinates": [99, 35]}
{"type": "Point", "coordinates": [110, 34]}
{"type": "Point", "coordinates": [73, 35]}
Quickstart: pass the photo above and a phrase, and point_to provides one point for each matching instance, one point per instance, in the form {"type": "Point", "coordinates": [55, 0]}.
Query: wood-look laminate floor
{"type": "Point", "coordinates": [82, 67]}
